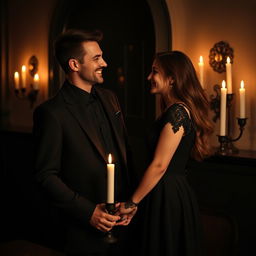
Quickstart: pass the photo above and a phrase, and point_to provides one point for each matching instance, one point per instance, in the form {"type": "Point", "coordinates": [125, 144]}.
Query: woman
{"type": "Point", "coordinates": [170, 213]}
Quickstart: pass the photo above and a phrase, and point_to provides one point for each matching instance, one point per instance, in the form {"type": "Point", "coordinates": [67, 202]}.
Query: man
{"type": "Point", "coordinates": [74, 133]}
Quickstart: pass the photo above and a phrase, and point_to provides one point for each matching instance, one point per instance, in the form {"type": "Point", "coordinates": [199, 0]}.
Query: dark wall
{"type": "Point", "coordinates": [16, 183]}
{"type": "Point", "coordinates": [25, 213]}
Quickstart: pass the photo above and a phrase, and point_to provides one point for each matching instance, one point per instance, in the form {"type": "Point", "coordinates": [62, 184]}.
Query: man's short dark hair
{"type": "Point", "coordinates": [68, 45]}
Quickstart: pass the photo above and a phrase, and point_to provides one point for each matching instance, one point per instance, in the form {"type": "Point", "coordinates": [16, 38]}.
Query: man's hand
{"type": "Point", "coordinates": [101, 220]}
{"type": "Point", "coordinates": [126, 214]}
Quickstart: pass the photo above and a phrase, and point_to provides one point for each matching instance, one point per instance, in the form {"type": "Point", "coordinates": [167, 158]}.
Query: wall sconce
{"type": "Point", "coordinates": [21, 89]}
{"type": "Point", "coordinates": [218, 56]}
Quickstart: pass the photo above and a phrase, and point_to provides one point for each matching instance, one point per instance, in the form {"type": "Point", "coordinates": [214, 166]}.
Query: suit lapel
{"type": "Point", "coordinates": [113, 112]}
{"type": "Point", "coordinates": [82, 118]}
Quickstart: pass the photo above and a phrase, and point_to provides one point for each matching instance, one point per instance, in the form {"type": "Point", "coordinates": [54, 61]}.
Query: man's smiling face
{"type": "Point", "coordinates": [93, 63]}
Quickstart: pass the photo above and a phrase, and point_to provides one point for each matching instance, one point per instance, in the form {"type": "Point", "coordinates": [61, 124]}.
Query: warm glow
{"type": "Point", "coordinates": [23, 68]}
{"type": "Point", "coordinates": [36, 77]}
{"type": "Point", "coordinates": [110, 159]}
{"type": "Point", "coordinates": [223, 84]}
{"type": "Point", "coordinates": [242, 84]}
{"type": "Point", "coordinates": [228, 60]}
{"type": "Point", "coordinates": [16, 75]}
{"type": "Point", "coordinates": [201, 60]}
{"type": "Point", "coordinates": [16, 80]}
{"type": "Point", "coordinates": [36, 82]}
{"type": "Point", "coordinates": [23, 76]}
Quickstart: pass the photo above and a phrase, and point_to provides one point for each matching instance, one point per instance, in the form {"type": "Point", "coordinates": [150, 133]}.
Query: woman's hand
{"type": "Point", "coordinates": [126, 211]}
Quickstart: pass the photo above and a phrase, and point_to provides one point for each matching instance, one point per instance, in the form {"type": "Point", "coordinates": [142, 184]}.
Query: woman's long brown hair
{"type": "Point", "coordinates": [186, 88]}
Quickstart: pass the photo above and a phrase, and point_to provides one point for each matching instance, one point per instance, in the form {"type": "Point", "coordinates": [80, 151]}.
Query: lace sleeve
{"type": "Point", "coordinates": [177, 116]}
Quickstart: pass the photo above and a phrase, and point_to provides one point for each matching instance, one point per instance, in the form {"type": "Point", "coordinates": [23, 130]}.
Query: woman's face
{"type": "Point", "coordinates": [159, 84]}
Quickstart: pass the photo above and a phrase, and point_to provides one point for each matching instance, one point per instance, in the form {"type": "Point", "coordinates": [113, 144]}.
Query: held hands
{"type": "Point", "coordinates": [126, 211]}
{"type": "Point", "coordinates": [104, 221]}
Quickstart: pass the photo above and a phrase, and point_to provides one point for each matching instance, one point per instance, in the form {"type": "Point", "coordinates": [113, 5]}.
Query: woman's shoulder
{"type": "Point", "coordinates": [178, 115]}
{"type": "Point", "coordinates": [178, 109]}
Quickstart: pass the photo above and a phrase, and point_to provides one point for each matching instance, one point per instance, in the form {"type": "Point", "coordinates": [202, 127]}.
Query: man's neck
{"type": "Point", "coordinates": [80, 84]}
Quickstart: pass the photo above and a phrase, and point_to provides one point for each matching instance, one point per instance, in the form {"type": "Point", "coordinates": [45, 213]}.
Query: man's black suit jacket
{"type": "Point", "coordinates": [70, 163]}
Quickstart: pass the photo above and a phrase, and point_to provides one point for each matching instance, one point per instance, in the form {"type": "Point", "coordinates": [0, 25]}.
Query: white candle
{"type": "Point", "coordinates": [229, 75]}
{"type": "Point", "coordinates": [36, 82]}
{"type": "Point", "coordinates": [223, 103]}
{"type": "Point", "coordinates": [110, 181]}
{"type": "Point", "coordinates": [16, 80]}
{"type": "Point", "coordinates": [242, 100]}
{"type": "Point", "coordinates": [201, 71]}
{"type": "Point", "coordinates": [23, 76]}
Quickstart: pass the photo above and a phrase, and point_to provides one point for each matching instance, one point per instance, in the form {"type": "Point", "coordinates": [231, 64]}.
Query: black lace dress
{"type": "Point", "coordinates": [169, 213]}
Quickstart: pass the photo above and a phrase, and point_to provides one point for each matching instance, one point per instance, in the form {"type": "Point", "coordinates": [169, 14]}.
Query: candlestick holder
{"type": "Point", "coordinates": [31, 96]}
{"type": "Point", "coordinates": [223, 145]}
{"type": "Point", "coordinates": [110, 238]}
{"type": "Point", "coordinates": [226, 146]}
{"type": "Point", "coordinates": [226, 142]}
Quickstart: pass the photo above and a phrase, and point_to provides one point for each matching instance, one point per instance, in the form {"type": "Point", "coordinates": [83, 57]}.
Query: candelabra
{"type": "Point", "coordinates": [226, 141]}
{"type": "Point", "coordinates": [221, 57]}
{"type": "Point", "coordinates": [22, 91]}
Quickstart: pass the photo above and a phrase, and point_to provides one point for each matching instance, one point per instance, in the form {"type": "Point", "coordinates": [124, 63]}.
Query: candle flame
{"type": "Point", "coordinates": [228, 60]}
{"type": "Point", "coordinates": [201, 60]}
{"type": "Point", "coordinates": [16, 75]}
{"type": "Point", "coordinates": [223, 84]}
{"type": "Point", "coordinates": [109, 158]}
{"type": "Point", "coordinates": [242, 84]}
{"type": "Point", "coordinates": [23, 68]}
{"type": "Point", "coordinates": [36, 77]}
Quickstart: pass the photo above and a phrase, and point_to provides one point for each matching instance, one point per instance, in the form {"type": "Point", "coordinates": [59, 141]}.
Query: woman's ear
{"type": "Point", "coordinates": [73, 64]}
{"type": "Point", "coordinates": [171, 81]}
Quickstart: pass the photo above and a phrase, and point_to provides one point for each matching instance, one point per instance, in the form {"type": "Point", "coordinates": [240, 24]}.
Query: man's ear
{"type": "Point", "coordinates": [73, 64]}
